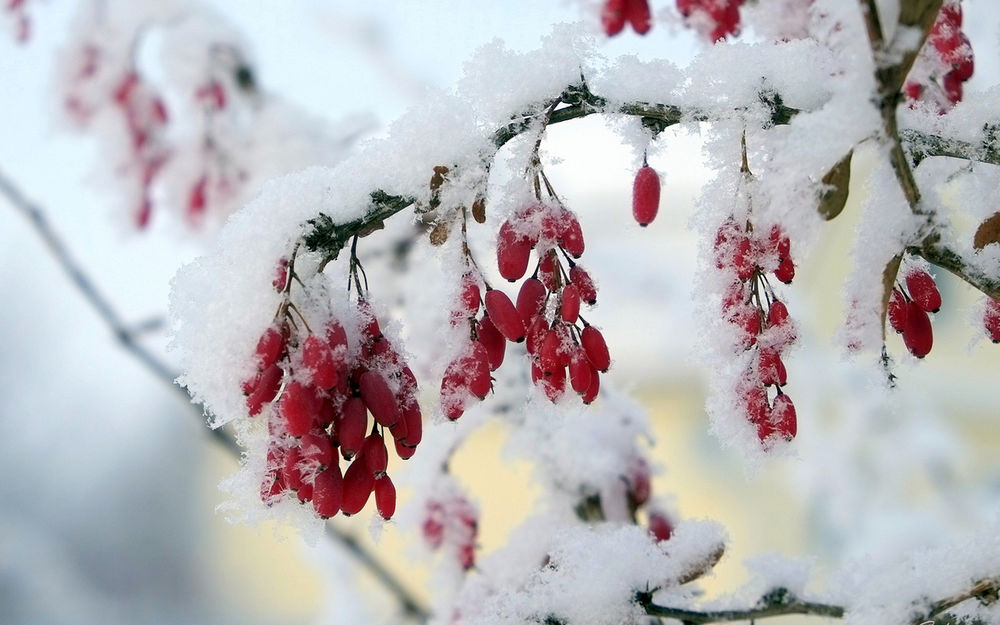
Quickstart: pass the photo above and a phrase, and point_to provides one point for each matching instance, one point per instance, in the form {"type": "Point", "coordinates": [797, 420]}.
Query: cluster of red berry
{"type": "Point", "coordinates": [547, 312]}
{"type": "Point", "coordinates": [324, 391]}
{"type": "Point", "coordinates": [22, 25]}
{"type": "Point", "coordinates": [616, 13]}
{"type": "Point", "coordinates": [146, 120]}
{"type": "Point", "coordinates": [639, 492]}
{"type": "Point", "coordinates": [909, 305]}
{"type": "Point", "coordinates": [761, 319]}
{"type": "Point", "coordinates": [946, 61]}
{"type": "Point", "coordinates": [713, 18]}
{"type": "Point", "coordinates": [451, 520]}
{"type": "Point", "coordinates": [213, 99]}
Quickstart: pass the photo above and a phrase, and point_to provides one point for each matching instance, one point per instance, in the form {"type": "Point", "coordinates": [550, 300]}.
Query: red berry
{"type": "Point", "coordinates": [270, 348]}
{"type": "Point", "coordinates": [404, 452]}
{"type": "Point", "coordinates": [352, 425]}
{"type": "Point", "coordinates": [494, 342]}
{"type": "Point", "coordinates": [370, 328]}
{"type": "Point", "coordinates": [991, 319]}
{"type": "Point", "coordinates": [317, 449]}
{"type": "Point", "coordinates": [531, 299]}
{"type": "Point", "coordinates": [588, 291]}
{"type": "Point", "coordinates": [639, 482]}
{"type": "Point", "coordinates": [537, 330]}
{"type": "Point", "coordinates": [318, 358]}
{"type": "Point", "coordinates": [554, 383]}
{"type": "Point", "coordinates": [783, 417]}
{"type": "Point", "coordinates": [917, 334]}
{"type": "Point", "coordinates": [659, 526]}
{"type": "Point", "coordinates": [923, 290]}
{"type": "Point", "coordinates": [328, 492]}
{"type": "Point", "coordinates": [594, 388]}
{"type": "Point", "coordinates": [580, 371]}
{"type": "Point", "coordinates": [504, 315]}
{"type": "Point", "coordinates": [570, 308]}
{"type": "Point", "coordinates": [299, 406]}
{"type": "Point", "coordinates": [897, 311]}
{"type": "Point", "coordinates": [777, 314]}
{"type": "Point", "coordinates": [613, 16]}
{"type": "Point", "coordinates": [379, 398]}
{"type": "Point", "coordinates": [385, 497]}
{"type": "Point", "coordinates": [571, 237]}
{"type": "Point", "coordinates": [265, 388]}
{"type": "Point", "coordinates": [375, 454]}
{"type": "Point", "coordinates": [513, 251]}
{"type": "Point", "coordinates": [305, 492]}
{"type": "Point", "coordinates": [548, 269]}
{"type": "Point", "coordinates": [336, 336]}
{"type": "Point", "coordinates": [646, 188]}
{"type": "Point", "coordinates": [290, 472]}
{"type": "Point", "coordinates": [744, 258]}
{"type": "Point", "coordinates": [785, 271]}
{"type": "Point", "coordinates": [637, 12]}
{"type": "Point", "coordinates": [780, 244]}
{"type": "Point", "coordinates": [358, 485]}
{"type": "Point", "coordinates": [771, 369]}
{"type": "Point", "coordinates": [756, 404]}
{"type": "Point", "coordinates": [469, 296]}
{"type": "Point", "coordinates": [414, 424]}
{"type": "Point", "coordinates": [478, 372]}
{"type": "Point", "coordinates": [595, 347]}
{"type": "Point", "coordinates": [280, 275]}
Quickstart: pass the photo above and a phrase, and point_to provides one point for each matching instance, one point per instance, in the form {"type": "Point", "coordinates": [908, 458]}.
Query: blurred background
{"type": "Point", "coordinates": [107, 506]}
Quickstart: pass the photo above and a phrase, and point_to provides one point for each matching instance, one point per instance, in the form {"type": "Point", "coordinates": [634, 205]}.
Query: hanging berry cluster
{"type": "Point", "coordinates": [616, 13]}
{"type": "Point", "coordinates": [547, 312]}
{"type": "Point", "coordinates": [945, 62]}
{"type": "Point", "coordinates": [747, 256]}
{"type": "Point", "coordinates": [909, 305]}
{"type": "Point", "coordinates": [145, 117]}
{"type": "Point", "coordinates": [451, 521]}
{"type": "Point", "coordinates": [17, 10]}
{"type": "Point", "coordinates": [714, 19]}
{"type": "Point", "coordinates": [317, 390]}
{"type": "Point", "coordinates": [639, 494]}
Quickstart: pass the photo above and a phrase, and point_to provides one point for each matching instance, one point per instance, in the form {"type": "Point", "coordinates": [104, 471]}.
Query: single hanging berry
{"type": "Point", "coordinates": [917, 334]}
{"type": "Point", "coordinates": [645, 195]}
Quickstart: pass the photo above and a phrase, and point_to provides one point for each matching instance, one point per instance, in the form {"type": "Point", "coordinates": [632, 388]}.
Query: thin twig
{"type": "Point", "coordinates": [125, 336]}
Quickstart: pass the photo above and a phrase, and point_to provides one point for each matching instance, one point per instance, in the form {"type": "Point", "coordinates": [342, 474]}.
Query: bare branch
{"type": "Point", "coordinates": [126, 337]}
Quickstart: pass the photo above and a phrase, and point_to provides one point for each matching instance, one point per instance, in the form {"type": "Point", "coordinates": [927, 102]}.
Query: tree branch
{"type": "Point", "coordinates": [126, 338]}
{"type": "Point", "coordinates": [778, 602]}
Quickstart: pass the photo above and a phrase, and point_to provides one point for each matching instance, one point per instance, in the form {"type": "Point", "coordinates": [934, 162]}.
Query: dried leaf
{"type": "Point", "coordinates": [438, 178]}
{"type": "Point", "coordinates": [439, 233]}
{"type": "Point", "coordinates": [479, 210]}
{"type": "Point", "coordinates": [838, 182]}
{"type": "Point", "coordinates": [987, 232]}
{"type": "Point", "coordinates": [888, 283]}
{"type": "Point", "coordinates": [703, 565]}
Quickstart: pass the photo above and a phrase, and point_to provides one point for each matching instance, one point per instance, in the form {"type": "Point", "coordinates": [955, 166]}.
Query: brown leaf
{"type": "Point", "coordinates": [479, 210]}
{"type": "Point", "coordinates": [987, 232]}
{"type": "Point", "coordinates": [439, 233]}
{"type": "Point", "coordinates": [703, 565]}
{"type": "Point", "coordinates": [888, 283]}
{"type": "Point", "coordinates": [438, 178]}
{"type": "Point", "coordinates": [838, 182]}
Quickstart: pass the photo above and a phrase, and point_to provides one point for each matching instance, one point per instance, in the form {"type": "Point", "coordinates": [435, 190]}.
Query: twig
{"type": "Point", "coordinates": [126, 337]}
